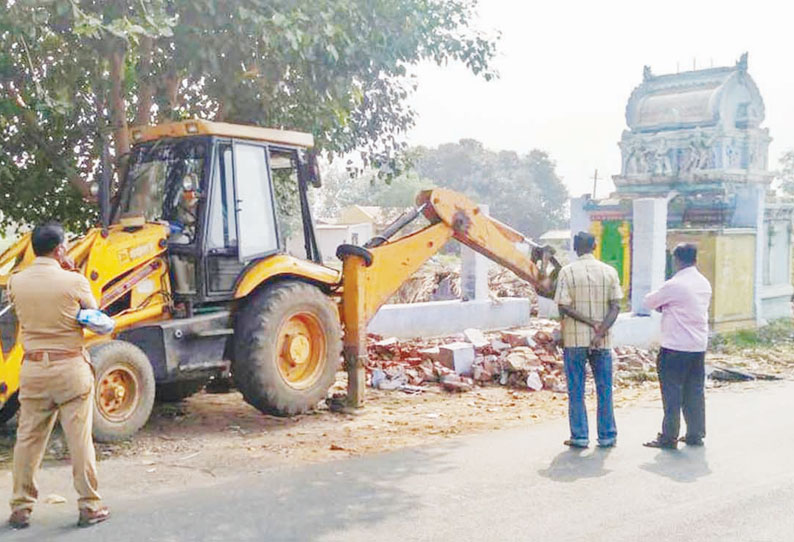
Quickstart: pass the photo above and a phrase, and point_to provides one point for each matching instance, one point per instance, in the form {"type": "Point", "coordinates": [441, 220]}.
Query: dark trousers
{"type": "Point", "coordinates": [682, 377]}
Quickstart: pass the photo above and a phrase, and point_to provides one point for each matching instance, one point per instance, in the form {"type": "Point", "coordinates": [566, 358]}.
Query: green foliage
{"type": "Point", "coordinates": [341, 190]}
{"type": "Point", "coordinates": [775, 333]}
{"type": "Point", "coordinates": [786, 174]}
{"type": "Point", "coordinates": [523, 191]}
{"type": "Point", "coordinates": [73, 71]}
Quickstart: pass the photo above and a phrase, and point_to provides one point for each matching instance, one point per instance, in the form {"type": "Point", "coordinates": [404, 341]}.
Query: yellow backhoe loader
{"type": "Point", "coordinates": [207, 259]}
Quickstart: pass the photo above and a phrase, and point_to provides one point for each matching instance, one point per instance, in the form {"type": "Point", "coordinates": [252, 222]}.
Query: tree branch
{"type": "Point", "coordinates": [118, 106]}
{"type": "Point", "coordinates": [146, 91]}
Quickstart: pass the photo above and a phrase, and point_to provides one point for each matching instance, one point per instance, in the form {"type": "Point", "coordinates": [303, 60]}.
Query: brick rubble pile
{"type": "Point", "coordinates": [527, 358]}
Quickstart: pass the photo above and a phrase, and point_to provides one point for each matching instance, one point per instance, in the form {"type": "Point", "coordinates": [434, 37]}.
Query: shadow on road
{"type": "Point", "coordinates": [574, 464]}
{"type": "Point", "coordinates": [686, 465]}
{"type": "Point", "coordinates": [305, 504]}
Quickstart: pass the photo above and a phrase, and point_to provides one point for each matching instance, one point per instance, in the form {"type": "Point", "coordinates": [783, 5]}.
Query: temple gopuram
{"type": "Point", "coordinates": [695, 169]}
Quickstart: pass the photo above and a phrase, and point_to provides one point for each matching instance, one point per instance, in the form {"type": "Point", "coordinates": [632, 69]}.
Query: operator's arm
{"type": "Point", "coordinates": [564, 299]}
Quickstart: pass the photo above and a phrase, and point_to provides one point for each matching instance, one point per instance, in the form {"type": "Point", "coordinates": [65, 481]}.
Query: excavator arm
{"type": "Point", "coordinates": [373, 273]}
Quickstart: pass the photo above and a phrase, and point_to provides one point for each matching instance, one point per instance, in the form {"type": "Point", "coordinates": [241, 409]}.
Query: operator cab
{"type": "Point", "coordinates": [230, 194]}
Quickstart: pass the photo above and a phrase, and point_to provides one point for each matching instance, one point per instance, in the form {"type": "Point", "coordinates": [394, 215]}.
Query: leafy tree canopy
{"type": "Point", "coordinates": [73, 72]}
{"type": "Point", "coordinates": [523, 191]}
{"type": "Point", "coordinates": [341, 190]}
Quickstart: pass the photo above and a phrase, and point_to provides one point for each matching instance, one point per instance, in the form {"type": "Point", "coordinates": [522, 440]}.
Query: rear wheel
{"type": "Point", "coordinates": [287, 348]}
{"type": "Point", "coordinates": [172, 392]}
{"type": "Point", "coordinates": [124, 391]}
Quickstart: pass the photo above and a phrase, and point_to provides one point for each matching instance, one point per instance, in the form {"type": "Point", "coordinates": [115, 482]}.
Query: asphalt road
{"type": "Point", "coordinates": [505, 485]}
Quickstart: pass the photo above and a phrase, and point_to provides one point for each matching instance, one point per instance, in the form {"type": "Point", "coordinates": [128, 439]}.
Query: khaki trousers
{"type": "Point", "coordinates": [49, 389]}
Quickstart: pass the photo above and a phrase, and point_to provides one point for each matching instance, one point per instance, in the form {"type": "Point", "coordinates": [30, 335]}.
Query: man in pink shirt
{"type": "Point", "coordinates": [684, 303]}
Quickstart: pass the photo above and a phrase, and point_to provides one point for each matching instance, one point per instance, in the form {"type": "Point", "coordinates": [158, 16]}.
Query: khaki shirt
{"type": "Point", "coordinates": [587, 286]}
{"type": "Point", "coordinates": [46, 299]}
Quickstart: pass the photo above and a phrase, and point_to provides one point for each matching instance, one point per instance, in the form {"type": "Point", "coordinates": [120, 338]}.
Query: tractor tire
{"type": "Point", "coordinates": [9, 408]}
{"type": "Point", "coordinates": [124, 390]}
{"type": "Point", "coordinates": [288, 345]}
{"type": "Point", "coordinates": [172, 392]}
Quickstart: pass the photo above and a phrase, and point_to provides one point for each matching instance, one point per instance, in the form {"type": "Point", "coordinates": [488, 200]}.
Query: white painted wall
{"type": "Point", "coordinates": [330, 236]}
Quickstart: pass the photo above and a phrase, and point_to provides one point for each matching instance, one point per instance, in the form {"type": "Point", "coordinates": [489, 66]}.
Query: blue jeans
{"type": "Point", "coordinates": [601, 363]}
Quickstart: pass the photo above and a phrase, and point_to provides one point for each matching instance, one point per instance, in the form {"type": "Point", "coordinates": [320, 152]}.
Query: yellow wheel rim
{"type": "Point", "coordinates": [301, 350]}
{"type": "Point", "coordinates": [117, 393]}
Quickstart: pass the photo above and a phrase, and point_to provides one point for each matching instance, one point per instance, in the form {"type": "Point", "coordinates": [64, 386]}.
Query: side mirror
{"type": "Point", "coordinates": [313, 169]}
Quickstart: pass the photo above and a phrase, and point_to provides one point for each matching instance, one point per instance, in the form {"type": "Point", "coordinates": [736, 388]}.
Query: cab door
{"type": "Point", "coordinates": [255, 210]}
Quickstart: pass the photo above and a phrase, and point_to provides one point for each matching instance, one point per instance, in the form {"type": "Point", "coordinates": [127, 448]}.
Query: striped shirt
{"type": "Point", "coordinates": [587, 286]}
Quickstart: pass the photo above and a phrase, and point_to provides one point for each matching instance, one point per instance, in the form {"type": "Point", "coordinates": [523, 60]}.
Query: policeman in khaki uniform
{"type": "Point", "coordinates": [56, 380]}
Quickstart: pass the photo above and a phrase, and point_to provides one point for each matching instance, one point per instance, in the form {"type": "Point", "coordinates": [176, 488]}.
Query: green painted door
{"type": "Point", "coordinates": [612, 246]}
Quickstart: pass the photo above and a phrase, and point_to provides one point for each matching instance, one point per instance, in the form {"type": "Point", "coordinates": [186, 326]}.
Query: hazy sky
{"type": "Point", "coordinates": [567, 70]}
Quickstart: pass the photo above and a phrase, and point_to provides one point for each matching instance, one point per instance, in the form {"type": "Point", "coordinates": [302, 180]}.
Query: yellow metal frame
{"type": "Point", "coordinates": [187, 128]}
{"type": "Point", "coordinates": [366, 286]}
{"type": "Point", "coordinates": [284, 265]}
{"type": "Point", "coordinates": [102, 259]}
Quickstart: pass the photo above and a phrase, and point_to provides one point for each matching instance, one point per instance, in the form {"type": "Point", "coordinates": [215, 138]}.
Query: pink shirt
{"type": "Point", "coordinates": [684, 302]}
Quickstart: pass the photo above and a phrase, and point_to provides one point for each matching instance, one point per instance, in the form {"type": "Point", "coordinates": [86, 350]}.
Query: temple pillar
{"type": "Point", "coordinates": [580, 219]}
{"type": "Point", "coordinates": [649, 245]}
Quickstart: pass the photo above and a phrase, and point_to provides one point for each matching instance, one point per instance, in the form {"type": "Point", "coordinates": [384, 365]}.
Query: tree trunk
{"type": "Point", "coordinates": [146, 91]}
{"type": "Point", "coordinates": [118, 107]}
{"type": "Point", "coordinates": [172, 93]}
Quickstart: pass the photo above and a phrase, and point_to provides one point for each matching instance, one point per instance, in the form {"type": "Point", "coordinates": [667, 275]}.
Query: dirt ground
{"type": "Point", "coordinates": [209, 437]}
{"type": "Point", "coordinates": [214, 436]}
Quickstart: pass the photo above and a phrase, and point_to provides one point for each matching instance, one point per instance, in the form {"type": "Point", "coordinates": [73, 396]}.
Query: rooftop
{"type": "Point", "coordinates": [186, 128]}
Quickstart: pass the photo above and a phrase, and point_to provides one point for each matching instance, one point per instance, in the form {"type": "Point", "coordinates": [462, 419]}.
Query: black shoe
{"type": "Point", "coordinates": [662, 443]}
{"type": "Point", "coordinates": [575, 444]}
{"type": "Point", "coordinates": [691, 441]}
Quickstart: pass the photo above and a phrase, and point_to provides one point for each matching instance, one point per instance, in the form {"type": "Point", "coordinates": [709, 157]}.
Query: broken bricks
{"type": "Point", "coordinates": [455, 383]}
{"type": "Point", "coordinates": [510, 358]}
{"type": "Point", "coordinates": [522, 358]}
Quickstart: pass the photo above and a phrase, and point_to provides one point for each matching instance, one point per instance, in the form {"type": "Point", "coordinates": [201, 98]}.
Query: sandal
{"type": "Point", "coordinates": [662, 443]}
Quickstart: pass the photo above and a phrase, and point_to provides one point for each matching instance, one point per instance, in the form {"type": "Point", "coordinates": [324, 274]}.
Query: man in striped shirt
{"type": "Point", "coordinates": [588, 296]}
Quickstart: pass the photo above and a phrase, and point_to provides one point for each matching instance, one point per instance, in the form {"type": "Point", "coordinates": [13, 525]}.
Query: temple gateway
{"type": "Point", "coordinates": [695, 168]}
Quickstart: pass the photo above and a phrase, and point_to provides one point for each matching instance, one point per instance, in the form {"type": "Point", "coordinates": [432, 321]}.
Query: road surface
{"type": "Point", "coordinates": [505, 485]}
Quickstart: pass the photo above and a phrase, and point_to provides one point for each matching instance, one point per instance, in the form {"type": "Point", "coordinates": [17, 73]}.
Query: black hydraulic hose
{"type": "Point", "coordinates": [395, 226]}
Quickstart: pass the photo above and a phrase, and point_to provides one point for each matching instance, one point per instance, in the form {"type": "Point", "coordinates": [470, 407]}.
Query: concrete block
{"type": "Point", "coordinates": [457, 356]}
{"type": "Point", "coordinates": [639, 331]}
{"type": "Point", "coordinates": [449, 317]}
{"type": "Point", "coordinates": [547, 308]}
{"type": "Point", "coordinates": [476, 337]}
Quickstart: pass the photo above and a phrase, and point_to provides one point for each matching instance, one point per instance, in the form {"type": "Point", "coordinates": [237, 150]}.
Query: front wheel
{"type": "Point", "coordinates": [124, 390]}
{"type": "Point", "coordinates": [287, 348]}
